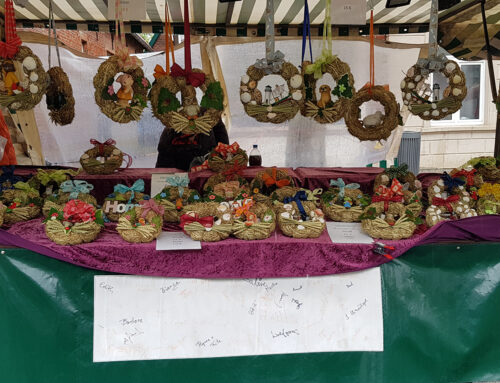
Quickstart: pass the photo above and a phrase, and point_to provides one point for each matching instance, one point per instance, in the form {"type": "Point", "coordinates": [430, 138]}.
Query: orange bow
{"type": "Point", "coordinates": [244, 209]}
{"type": "Point", "coordinates": [159, 72]}
{"type": "Point", "coordinates": [270, 180]}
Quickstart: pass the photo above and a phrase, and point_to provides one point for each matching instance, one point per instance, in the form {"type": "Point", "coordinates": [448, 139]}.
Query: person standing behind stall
{"type": "Point", "coordinates": [177, 150]}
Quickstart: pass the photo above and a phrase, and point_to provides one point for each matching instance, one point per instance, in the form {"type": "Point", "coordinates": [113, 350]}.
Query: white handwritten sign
{"type": "Point", "coordinates": [348, 12]}
{"type": "Point", "coordinates": [176, 240]}
{"type": "Point", "coordinates": [347, 232]}
{"type": "Point", "coordinates": [141, 318]}
{"type": "Point", "coordinates": [159, 181]}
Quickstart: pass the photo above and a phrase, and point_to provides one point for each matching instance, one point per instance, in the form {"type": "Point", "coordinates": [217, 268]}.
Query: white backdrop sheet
{"type": "Point", "coordinates": [300, 142]}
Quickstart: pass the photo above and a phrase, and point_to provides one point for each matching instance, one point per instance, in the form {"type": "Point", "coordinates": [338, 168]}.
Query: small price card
{"type": "Point", "coordinates": [176, 240]}
{"type": "Point", "coordinates": [347, 232]}
{"type": "Point", "coordinates": [348, 12]}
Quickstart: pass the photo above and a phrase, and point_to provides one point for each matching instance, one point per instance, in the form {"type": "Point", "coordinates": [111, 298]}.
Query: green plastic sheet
{"type": "Point", "coordinates": [441, 324]}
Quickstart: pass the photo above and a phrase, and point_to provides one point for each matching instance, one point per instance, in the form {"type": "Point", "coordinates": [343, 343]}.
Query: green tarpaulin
{"type": "Point", "coordinates": [441, 324]}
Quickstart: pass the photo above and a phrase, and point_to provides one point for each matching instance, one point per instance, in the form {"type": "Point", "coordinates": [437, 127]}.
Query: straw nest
{"type": "Point", "coordinates": [219, 163]}
{"type": "Point", "coordinates": [333, 104]}
{"type": "Point", "coordinates": [113, 159]}
{"type": "Point", "coordinates": [173, 203]}
{"type": "Point", "coordinates": [59, 97]}
{"type": "Point", "coordinates": [187, 117]}
{"type": "Point", "coordinates": [223, 222]}
{"type": "Point", "coordinates": [226, 187]}
{"type": "Point", "coordinates": [34, 81]}
{"type": "Point", "coordinates": [291, 223]}
{"type": "Point", "coordinates": [488, 205]}
{"type": "Point", "coordinates": [472, 184]}
{"type": "Point", "coordinates": [104, 79]}
{"type": "Point", "coordinates": [122, 198]}
{"type": "Point", "coordinates": [81, 232]}
{"type": "Point", "coordinates": [383, 129]}
{"type": "Point", "coordinates": [259, 223]}
{"type": "Point", "coordinates": [2, 212]}
{"type": "Point", "coordinates": [394, 223]}
{"type": "Point", "coordinates": [280, 110]}
{"type": "Point", "coordinates": [134, 228]}
{"type": "Point", "coordinates": [282, 188]}
{"type": "Point", "coordinates": [417, 95]}
{"type": "Point", "coordinates": [21, 212]}
{"type": "Point", "coordinates": [338, 210]}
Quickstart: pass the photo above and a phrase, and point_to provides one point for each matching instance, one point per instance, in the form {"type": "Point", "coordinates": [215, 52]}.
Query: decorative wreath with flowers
{"type": "Point", "coordinates": [69, 190]}
{"type": "Point", "coordinates": [141, 224]}
{"type": "Point", "coordinates": [78, 222]}
{"type": "Point", "coordinates": [344, 202]}
{"type": "Point", "coordinates": [127, 104]}
{"type": "Point", "coordinates": [103, 158]}
{"type": "Point", "coordinates": [487, 166]}
{"type": "Point", "coordinates": [473, 181]}
{"type": "Point", "coordinates": [226, 157]}
{"type": "Point", "coordinates": [489, 201]}
{"type": "Point", "coordinates": [252, 220]}
{"type": "Point", "coordinates": [173, 199]}
{"type": "Point", "coordinates": [123, 194]}
{"type": "Point", "coordinates": [224, 187]}
{"type": "Point", "coordinates": [389, 220]}
{"type": "Point", "coordinates": [417, 95]}
{"type": "Point", "coordinates": [272, 184]}
{"type": "Point", "coordinates": [23, 203]}
{"type": "Point", "coordinates": [207, 221]}
{"type": "Point", "coordinates": [188, 117]}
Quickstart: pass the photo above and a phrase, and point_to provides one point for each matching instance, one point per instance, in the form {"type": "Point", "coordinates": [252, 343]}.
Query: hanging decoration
{"type": "Point", "coordinates": [332, 104]}
{"type": "Point", "coordinates": [278, 104]}
{"type": "Point", "coordinates": [188, 117]}
{"type": "Point", "coordinates": [377, 126]}
{"type": "Point", "coordinates": [59, 97]}
{"type": "Point", "coordinates": [103, 158]}
{"type": "Point", "coordinates": [128, 102]}
{"type": "Point", "coordinates": [422, 100]}
{"type": "Point", "coordinates": [23, 79]}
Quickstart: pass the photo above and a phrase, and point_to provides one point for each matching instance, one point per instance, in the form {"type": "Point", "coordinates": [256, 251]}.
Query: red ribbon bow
{"type": "Point", "coordinates": [192, 78]}
{"type": "Point", "coordinates": [199, 168]}
{"type": "Point", "coordinates": [9, 48]}
{"type": "Point", "coordinates": [225, 149]}
{"type": "Point", "coordinates": [392, 194]}
{"type": "Point", "coordinates": [445, 202]}
{"type": "Point", "coordinates": [467, 174]}
{"type": "Point", "coordinates": [101, 145]}
{"type": "Point", "coordinates": [151, 205]}
{"type": "Point", "coordinates": [234, 170]}
{"type": "Point", "coordinates": [188, 218]}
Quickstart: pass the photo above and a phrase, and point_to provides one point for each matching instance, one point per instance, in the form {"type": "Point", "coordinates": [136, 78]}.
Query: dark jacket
{"type": "Point", "coordinates": [177, 150]}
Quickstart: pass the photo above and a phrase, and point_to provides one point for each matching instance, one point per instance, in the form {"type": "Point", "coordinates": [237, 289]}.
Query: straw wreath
{"type": "Point", "coordinates": [253, 220]}
{"type": "Point", "coordinates": [113, 158]}
{"type": "Point", "coordinates": [299, 217]}
{"type": "Point", "coordinates": [173, 199]}
{"type": "Point", "coordinates": [2, 212]}
{"type": "Point", "coordinates": [59, 97]}
{"type": "Point", "coordinates": [394, 222]}
{"type": "Point", "coordinates": [383, 129]}
{"type": "Point", "coordinates": [224, 187]}
{"type": "Point", "coordinates": [225, 157]}
{"type": "Point", "coordinates": [280, 110]}
{"type": "Point", "coordinates": [489, 201]}
{"type": "Point", "coordinates": [23, 203]}
{"type": "Point", "coordinates": [106, 98]}
{"type": "Point", "coordinates": [142, 223]}
{"type": "Point", "coordinates": [47, 181]}
{"type": "Point", "coordinates": [188, 117]}
{"type": "Point", "coordinates": [417, 95]}
{"type": "Point", "coordinates": [77, 222]}
{"type": "Point", "coordinates": [473, 181]}
{"type": "Point", "coordinates": [272, 183]}
{"type": "Point", "coordinates": [123, 194]}
{"type": "Point", "coordinates": [488, 167]}
{"type": "Point", "coordinates": [343, 202]}
{"type": "Point", "coordinates": [332, 104]}
{"type": "Point", "coordinates": [69, 190]}
{"type": "Point", "coordinates": [32, 88]}
{"type": "Point", "coordinates": [207, 221]}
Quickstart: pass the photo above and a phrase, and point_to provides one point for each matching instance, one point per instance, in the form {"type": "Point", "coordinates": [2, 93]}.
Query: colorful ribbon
{"type": "Point", "coordinates": [446, 202]}
{"type": "Point", "coordinates": [199, 168]}
{"type": "Point", "coordinates": [274, 59]}
{"type": "Point", "coordinates": [9, 48]}
{"type": "Point", "coordinates": [192, 78]}
{"type": "Point", "coordinates": [450, 183]}
{"type": "Point", "coordinates": [160, 72]}
{"type": "Point", "coordinates": [235, 169]}
{"type": "Point", "coordinates": [270, 180]}
{"type": "Point", "coordinates": [137, 187]}
{"type": "Point", "coordinates": [24, 186]}
{"type": "Point", "coordinates": [151, 205]}
{"type": "Point", "coordinates": [326, 57]}
{"type": "Point", "coordinates": [101, 145]}
{"type": "Point", "coordinates": [188, 218]}
{"type": "Point", "coordinates": [225, 149]}
{"type": "Point", "coordinates": [297, 198]}
{"type": "Point", "coordinates": [75, 187]}
{"type": "Point", "coordinates": [306, 31]}
{"type": "Point", "coordinates": [181, 181]}
{"type": "Point", "coordinates": [341, 185]}
{"type": "Point", "coordinates": [467, 174]}
{"type": "Point", "coordinates": [244, 209]}
{"type": "Point", "coordinates": [394, 193]}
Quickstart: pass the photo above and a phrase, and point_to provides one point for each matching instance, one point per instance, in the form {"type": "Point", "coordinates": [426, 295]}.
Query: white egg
{"type": "Point", "coordinates": [418, 78]}
{"type": "Point", "coordinates": [300, 227]}
{"type": "Point", "coordinates": [466, 199]}
{"type": "Point", "coordinates": [456, 91]}
{"type": "Point", "coordinates": [440, 182]}
{"type": "Point", "coordinates": [322, 220]}
{"type": "Point", "coordinates": [287, 206]}
{"type": "Point", "coordinates": [408, 96]}
{"type": "Point", "coordinates": [411, 85]}
{"type": "Point", "coordinates": [297, 95]}
{"type": "Point", "coordinates": [438, 195]}
{"type": "Point", "coordinates": [245, 78]}
{"type": "Point", "coordinates": [460, 209]}
{"type": "Point", "coordinates": [29, 63]}
{"type": "Point", "coordinates": [285, 214]}
{"type": "Point", "coordinates": [226, 217]}
{"type": "Point", "coordinates": [271, 115]}
{"type": "Point", "coordinates": [434, 218]}
{"type": "Point", "coordinates": [438, 211]}
{"type": "Point", "coordinates": [426, 113]}
{"type": "Point", "coordinates": [296, 81]}
{"type": "Point", "coordinates": [85, 156]}
{"type": "Point", "coordinates": [33, 88]}
{"type": "Point", "coordinates": [218, 222]}
{"type": "Point", "coordinates": [253, 102]}
{"type": "Point", "coordinates": [222, 208]}
{"type": "Point", "coordinates": [433, 106]}
{"type": "Point", "coordinates": [436, 188]}
{"type": "Point", "coordinates": [450, 67]}
{"type": "Point", "coordinates": [405, 102]}
{"type": "Point", "coordinates": [208, 229]}
{"type": "Point", "coordinates": [435, 113]}
{"type": "Point", "coordinates": [33, 76]}
{"type": "Point", "coordinates": [444, 110]}
{"type": "Point", "coordinates": [457, 79]}
{"type": "Point", "coordinates": [246, 97]}
{"type": "Point", "coordinates": [403, 84]}
{"type": "Point", "coordinates": [461, 187]}
{"type": "Point", "coordinates": [269, 109]}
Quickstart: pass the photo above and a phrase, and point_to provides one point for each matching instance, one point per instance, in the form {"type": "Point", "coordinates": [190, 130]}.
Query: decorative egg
{"type": "Point", "coordinates": [405, 102]}
{"type": "Point", "coordinates": [403, 84]}
{"type": "Point", "coordinates": [271, 115]}
{"type": "Point", "coordinates": [322, 220]}
{"type": "Point", "coordinates": [208, 229]}
{"type": "Point", "coordinates": [245, 97]}
{"type": "Point", "coordinates": [116, 151]}
{"type": "Point", "coordinates": [440, 183]}
{"type": "Point", "coordinates": [434, 218]}
{"type": "Point", "coordinates": [269, 108]}
{"type": "Point", "coordinates": [438, 211]}
{"type": "Point", "coordinates": [408, 96]}
{"type": "Point", "coordinates": [297, 95]}
{"type": "Point", "coordinates": [300, 227]}
{"type": "Point", "coordinates": [436, 188]}
{"type": "Point", "coordinates": [226, 217]}
{"type": "Point", "coordinates": [419, 101]}
{"type": "Point", "coordinates": [444, 110]}
{"type": "Point", "coordinates": [245, 78]}
{"type": "Point", "coordinates": [411, 85]}
{"type": "Point", "coordinates": [285, 214]}
{"type": "Point", "coordinates": [253, 102]}
{"type": "Point", "coordinates": [466, 199]}
{"type": "Point", "coordinates": [456, 91]}
{"type": "Point", "coordinates": [469, 214]}
{"type": "Point", "coordinates": [418, 78]}
{"type": "Point", "coordinates": [287, 206]}
{"type": "Point", "coordinates": [426, 113]}
{"type": "Point", "coordinates": [33, 88]}
{"type": "Point", "coordinates": [410, 72]}
{"type": "Point", "coordinates": [252, 84]}
{"type": "Point", "coordinates": [222, 208]}
{"type": "Point", "coordinates": [244, 88]}
{"type": "Point", "coordinates": [33, 76]}
{"type": "Point", "coordinates": [296, 81]}
{"type": "Point", "coordinates": [433, 106]}
{"type": "Point", "coordinates": [29, 63]}
{"type": "Point", "coordinates": [450, 67]}
{"type": "Point", "coordinates": [457, 79]}
{"type": "Point", "coordinates": [461, 187]}
{"type": "Point", "coordinates": [218, 222]}
{"type": "Point", "coordinates": [460, 209]}
{"type": "Point", "coordinates": [438, 195]}
{"type": "Point", "coordinates": [435, 113]}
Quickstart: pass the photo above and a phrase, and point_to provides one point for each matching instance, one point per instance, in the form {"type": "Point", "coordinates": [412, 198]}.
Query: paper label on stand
{"type": "Point", "coordinates": [347, 232]}
{"type": "Point", "coordinates": [159, 181]}
{"type": "Point", "coordinates": [176, 240]}
{"type": "Point", "coordinates": [348, 12]}
{"type": "Point", "coordinates": [143, 318]}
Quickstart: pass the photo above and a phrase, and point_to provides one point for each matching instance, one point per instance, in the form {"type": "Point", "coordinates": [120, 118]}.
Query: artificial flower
{"type": "Point", "coordinates": [111, 90]}
{"type": "Point", "coordinates": [145, 82]}
{"type": "Point", "coordinates": [163, 195]}
{"type": "Point", "coordinates": [211, 196]}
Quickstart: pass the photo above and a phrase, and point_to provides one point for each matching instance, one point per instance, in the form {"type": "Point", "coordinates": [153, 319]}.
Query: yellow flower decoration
{"type": "Point", "coordinates": [489, 189]}
{"type": "Point", "coordinates": [255, 190]}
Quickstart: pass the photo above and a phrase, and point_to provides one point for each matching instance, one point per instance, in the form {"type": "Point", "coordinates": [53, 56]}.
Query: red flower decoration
{"type": "Point", "coordinates": [78, 211]}
{"type": "Point", "coordinates": [211, 196]}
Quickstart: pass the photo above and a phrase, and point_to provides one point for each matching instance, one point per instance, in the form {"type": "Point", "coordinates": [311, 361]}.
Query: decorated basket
{"type": "Point", "coordinates": [111, 158]}
{"type": "Point", "coordinates": [272, 183]}
{"type": "Point", "coordinates": [173, 199]}
{"type": "Point", "coordinates": [344, 202]}
{"type": "Point", "coordinates": [23, 203]}
{"type": "Point", "coordinates": [49, 180]}
{"type": "Point", "coordinates": [78, 222]}
{"type": "Point", "coordinates": [253, 220]}
{"type": "Point", "coordinates": [207, 221]}
{"type": "Point", "coordinates": [488, 167]}
{"type": "Point", "coordinates": [225, 187]}
{"type": "Point", "coordinates": [448, 199]}
{"type": "Point", "coordinates": [489, 201]}
{"type": "Point", "coordinates": [142, 223]}
{"type": "Point", "coordinates": [123, 199]}
{"type": "Point", "coordinates": [473, 181]}
{"type": "Point", "coordinates": [69, 190]}
{"type": "Point", "coordinates": [225, 157]}
{"type": "Point", "coordinates": [388, 220]}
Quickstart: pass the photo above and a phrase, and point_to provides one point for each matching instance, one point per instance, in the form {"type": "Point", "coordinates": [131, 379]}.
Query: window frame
{"type": "Point", "coordinates": [455, 117]}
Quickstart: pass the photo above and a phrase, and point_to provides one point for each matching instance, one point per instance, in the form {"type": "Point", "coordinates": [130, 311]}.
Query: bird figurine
{"type": "Point", "coordinates": [373, 120]}
{"type": "Point", "coordinates": [326, 97]}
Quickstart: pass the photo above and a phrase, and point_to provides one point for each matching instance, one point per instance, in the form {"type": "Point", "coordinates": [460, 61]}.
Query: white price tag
{"type": "Point", "coordinates": [176, 241]}
{"type": "Point", "coordinates": [348, 12]}
{"type": "Point", "coordinates": [347, 232]}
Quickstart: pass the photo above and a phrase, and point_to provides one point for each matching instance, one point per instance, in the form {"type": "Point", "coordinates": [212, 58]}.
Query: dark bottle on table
{"type": "Point", "coordinates": [255, 159]}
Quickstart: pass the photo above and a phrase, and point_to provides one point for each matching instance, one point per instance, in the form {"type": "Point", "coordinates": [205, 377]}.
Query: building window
{"type": "Point", "coordinates": [472, 111]}
{"type": "Point", "coordinates": [85, 48]}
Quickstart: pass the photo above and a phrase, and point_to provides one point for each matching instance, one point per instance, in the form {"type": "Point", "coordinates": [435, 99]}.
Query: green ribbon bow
{"type": "Point", "coordinates": [339, 183]}
{"type": "Point", "coordinates": [76, 187]}
{"type": "Point", "coordinates": [57, 176]}
{"type": "Point", "coordinates": [398, 172]}
{"type": "Point", "coordinates": [137, 187]}
{"type": "Point", "coordinates": [311, 195]}
{"type": "Point", "coordinates": [319, 66]}
{"type": "Point", "coordinates": [24, 186]}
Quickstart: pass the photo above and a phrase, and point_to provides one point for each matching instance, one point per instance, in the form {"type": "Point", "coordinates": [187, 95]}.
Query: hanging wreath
{"type": "Point", "coordinates": [111, 158]}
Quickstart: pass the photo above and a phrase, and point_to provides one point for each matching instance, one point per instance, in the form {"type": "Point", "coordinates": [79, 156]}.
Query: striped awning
{"type": "Point", "coordinates": [209, 12]}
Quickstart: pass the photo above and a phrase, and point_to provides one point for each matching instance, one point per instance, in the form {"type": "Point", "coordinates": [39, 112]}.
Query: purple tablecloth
{"type": "Point", "coordinates": [277, 256]}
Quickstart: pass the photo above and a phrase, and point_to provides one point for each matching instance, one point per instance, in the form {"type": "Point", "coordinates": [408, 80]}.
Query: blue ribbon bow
{"type": "Point", "coordinates": [301, 195]}
{"type": "Point", "coordinates": [342, 186]}
{"type": "Point", "coordinates": [181, 181]}
{"type": "Point", "coordinates": [138, 187]}
{"type": "Point", "coordinates": [450, 182]}
{"type": "Point", "coordinates": [306, 31]}
{"type": "Point", "coordinates": [76, 187]}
